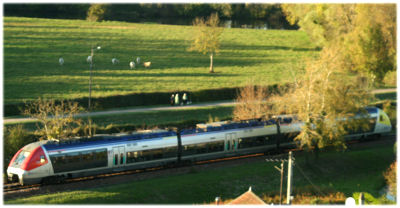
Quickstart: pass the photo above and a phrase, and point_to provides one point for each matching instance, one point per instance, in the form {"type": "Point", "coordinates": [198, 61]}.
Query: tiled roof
{"type": "Point", "coordinates": [247, 198]}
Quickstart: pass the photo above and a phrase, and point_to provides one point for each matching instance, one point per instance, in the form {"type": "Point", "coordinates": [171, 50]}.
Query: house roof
{"type": "Point", "coordinates": [247, 198]}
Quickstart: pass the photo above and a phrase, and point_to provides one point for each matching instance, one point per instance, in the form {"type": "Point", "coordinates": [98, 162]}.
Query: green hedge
{"type": "Point", "coordinates": [145, 99]}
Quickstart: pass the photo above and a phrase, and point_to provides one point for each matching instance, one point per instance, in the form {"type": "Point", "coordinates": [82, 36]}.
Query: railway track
{"type": "Point", "coordinates": [10, 189]}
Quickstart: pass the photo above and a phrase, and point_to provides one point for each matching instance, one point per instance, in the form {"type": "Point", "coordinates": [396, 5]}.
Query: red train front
{"type": "Point", "coordinates": [29, 165]}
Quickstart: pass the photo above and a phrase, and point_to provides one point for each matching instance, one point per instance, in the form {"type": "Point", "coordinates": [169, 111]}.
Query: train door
{"type": "Point", "coordinates": [119, 157]}
{"type": "Point", "coordinates": [231, 142]}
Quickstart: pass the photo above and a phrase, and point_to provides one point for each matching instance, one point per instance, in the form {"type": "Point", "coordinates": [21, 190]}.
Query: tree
{"type": "Point", "coordinates": [366, 33]}
{"type": "Point", "coordinates": [251, 103]}
{"type": "Point", "coordinates": [326, 99]}
{"type": "Point", "coordinates": [58, 120]}
{"type": "Point", "coordinates": [206, 37]}
{"type": "Point", "coordinates": [96, 12]}
{"type": "Point", "coordinates": [390, 177]}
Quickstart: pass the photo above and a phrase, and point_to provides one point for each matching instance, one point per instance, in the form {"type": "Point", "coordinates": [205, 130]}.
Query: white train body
{"type": "Point", "coordinates": [47, 160]}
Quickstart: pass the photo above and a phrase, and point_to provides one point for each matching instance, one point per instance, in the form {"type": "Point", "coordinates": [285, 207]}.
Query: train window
{"type": "Point", "coordinates": [130, 157]}
{"type": "Point", "coordinates": [20, 158]}
{"type": "Point", "coordinates": [170, 152]}
{"type": "Point", "coordinates": [203, 148]}
{"type": "Point", "coordinates": [254, 142]}
{"type": "Point", "coordinates": [116, 159]}
{"type": "Point", "coordinates": [42, 160]}
{"type": "Point", "coordinates": [79, 160]}
{"type": "Point", "coordinates": [122, 158]}
{"type": "Point", "coordinates": [287, 120]}
{"type": "Point", "coordinates": [216, 146]}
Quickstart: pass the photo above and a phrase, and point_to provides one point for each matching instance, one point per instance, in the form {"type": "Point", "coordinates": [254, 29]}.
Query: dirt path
{"type": "Point", "coordinates": [162, 108]}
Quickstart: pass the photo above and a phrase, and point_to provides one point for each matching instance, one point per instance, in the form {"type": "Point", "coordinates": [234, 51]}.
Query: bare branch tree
{"type": "Point", "coordinates": [58, 120]}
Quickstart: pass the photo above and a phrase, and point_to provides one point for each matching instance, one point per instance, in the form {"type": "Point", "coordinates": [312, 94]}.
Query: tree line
{"type": "Point", "coordinates": [272, 14]}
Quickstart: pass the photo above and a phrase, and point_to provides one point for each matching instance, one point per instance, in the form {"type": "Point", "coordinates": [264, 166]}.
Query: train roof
{"type": "Point", "coordinates": [109, 139]}
{"type": "Point", "coordinates": [226, 125]}
{"type": "Point", "coordinates": [371, 110]}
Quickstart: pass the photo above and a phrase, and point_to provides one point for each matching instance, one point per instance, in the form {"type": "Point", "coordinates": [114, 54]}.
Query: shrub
{"type": "Point", "coordinates": [390, 110]}
{"type": "Point", "coordinates": [390, 176]}
{"type": "Point", "coordinates": [96, 12]}
{"type": "Point", "coordinates": [370, 199]}
{"type": "Point", "coordinates": [15, 137]}
{"type": "Point", "coordinates": [390, 78]}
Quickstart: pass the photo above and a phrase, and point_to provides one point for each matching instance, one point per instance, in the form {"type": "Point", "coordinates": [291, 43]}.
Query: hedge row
{"type": "Point", "coordinates": [146, 99]}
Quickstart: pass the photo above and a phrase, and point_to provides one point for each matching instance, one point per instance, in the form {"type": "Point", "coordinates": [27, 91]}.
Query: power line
{"type": "Point", "coordinates": [308, 179]}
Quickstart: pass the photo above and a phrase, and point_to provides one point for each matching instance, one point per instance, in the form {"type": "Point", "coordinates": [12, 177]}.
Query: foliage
{"type": "Point", "coordinates": [325, 101]}
{"type": "Point", "coordinates": [97, 12]}
{"type": "Point", "coordinates": [251, 103]}
{"type": "Point", "coordinates": [391, 111]}
{"type": "Point", "coordinates": [206, 37]}
{"type": "Point", "coordinates": [14, 138]}
{"type": "Point", "coordinates": [167, 13]}
{"type": "Point", "coordinates": [305, 198]}
{"type": "Point", "coordinates": [365, 33]}
{"type": "Point", "coordinates": [390, 79]}
{"type": "Point", "coordinates": [369, 199]}
{"type": "Point", "coordinates": [390, 177]}
{"type": "Point", "coordinates": [57, 119]}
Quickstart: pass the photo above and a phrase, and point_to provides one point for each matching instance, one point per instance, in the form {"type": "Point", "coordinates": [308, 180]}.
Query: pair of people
{"type": "Point", "coordinates": [176, 101]}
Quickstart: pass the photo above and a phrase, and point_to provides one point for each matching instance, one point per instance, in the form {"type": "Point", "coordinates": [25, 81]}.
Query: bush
{"type": "Point", "coordinates": [390, 110]}
{"type": "Point", "coordinates": [390, 177]}
{"type": "Point", "coordinates": [370, 199]}
{"type": "Point", "coordinates": [390, 79]}
{"type": "Point", "coordinates": [15, 137]}
{"type": "Point", "coordinates": [96, 12]}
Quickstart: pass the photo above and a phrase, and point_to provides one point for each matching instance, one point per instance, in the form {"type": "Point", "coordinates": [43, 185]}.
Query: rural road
{"type": "Point", "coordinates": [163, 108]}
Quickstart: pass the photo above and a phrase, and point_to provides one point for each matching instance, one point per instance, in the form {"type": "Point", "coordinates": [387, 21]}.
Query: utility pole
{"type": "Point", "coordinates": [290, 161]}
{"type": "Point", "coordinates": [280, 191]}
{"type": "Point", "coordinates": [90, 78]}
{"type": "Point", "coordinates": [289, 182]}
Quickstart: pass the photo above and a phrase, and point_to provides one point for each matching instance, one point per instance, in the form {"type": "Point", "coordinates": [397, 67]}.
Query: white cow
{"type": "Point", "coordinates": [115, 61]}
{"type": "Point", "coordinates": [61, 61]}
{"type": "Point", "coordinates": [132, 64]}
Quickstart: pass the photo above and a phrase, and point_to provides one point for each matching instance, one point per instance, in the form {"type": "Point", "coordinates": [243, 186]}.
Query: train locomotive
{"type": "Point", "coordinates": [50, 161]}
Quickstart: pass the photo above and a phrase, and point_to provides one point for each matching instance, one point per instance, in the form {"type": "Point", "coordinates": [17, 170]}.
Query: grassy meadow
{"type": "Point", "coordinates": [335, 173]}
{"type": "Point", "coordinates": [32, 47]}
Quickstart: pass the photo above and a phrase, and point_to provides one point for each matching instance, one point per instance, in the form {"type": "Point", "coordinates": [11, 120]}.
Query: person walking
{"type": "Point", "coordinates": [177, 99]}
{"type": "Point", "coordinates": [172, 99]}
{"type": "Point", "coordinates": [184, 99]}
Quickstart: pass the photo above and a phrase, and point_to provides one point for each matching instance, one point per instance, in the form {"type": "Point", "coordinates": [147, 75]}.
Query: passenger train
{"type": "Point", "coordinates": [49, 161]}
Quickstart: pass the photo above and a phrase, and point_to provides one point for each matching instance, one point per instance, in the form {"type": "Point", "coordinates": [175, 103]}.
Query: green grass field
{"type": "Point", "coordinates": [349, 172]}
{"type": "Point", "coordinates": [32, 47]}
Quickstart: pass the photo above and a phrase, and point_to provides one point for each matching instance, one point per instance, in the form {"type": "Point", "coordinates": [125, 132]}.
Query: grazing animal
{"type": "Point", "coordinates": [132, 64]}
{"type": "Point", "coordinates": [138, 60]}
{"type": "Point", "coordinates": [61, 61]}
{"type": "Point", "coordinates": [115, 61]}
{"type": "Point", "coordinates": [89, 59]}
{"type": "Point", "coordinates": [147, 64]}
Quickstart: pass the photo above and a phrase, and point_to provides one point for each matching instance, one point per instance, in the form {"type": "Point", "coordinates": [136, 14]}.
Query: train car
{"type": "Point", "coordinates": [53, 161]}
